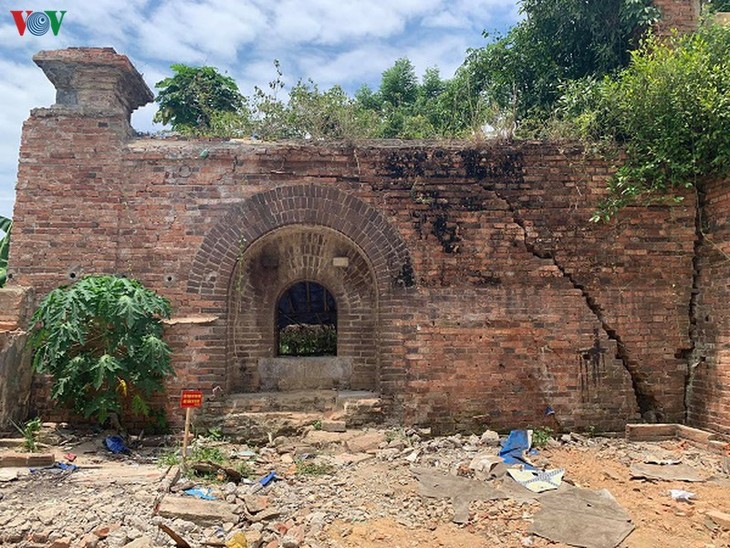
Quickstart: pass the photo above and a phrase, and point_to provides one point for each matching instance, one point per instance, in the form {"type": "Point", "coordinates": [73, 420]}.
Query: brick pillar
{"type": "Point", "coordinates": [94, 81]}
{"type": "Point", "coordinates": [71, 157]}
{"type": "Point", "coordinates": [681, 15]}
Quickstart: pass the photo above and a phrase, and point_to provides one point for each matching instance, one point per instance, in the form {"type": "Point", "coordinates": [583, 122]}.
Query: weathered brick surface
{"type": "Point", "coordinates": [681, 15]}
{"type": "Point", "coordinates": [15, 356]}
{"type": "Point", "coordinates": [709, 389]}
{"type": "Point", "coordinates": [477, 292]}
{"type": "Point", "coordinates": [15, 307]}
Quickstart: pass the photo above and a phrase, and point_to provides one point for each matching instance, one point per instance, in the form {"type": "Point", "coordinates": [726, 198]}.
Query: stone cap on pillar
{"type": "Point", "coordinates": [94, 80]}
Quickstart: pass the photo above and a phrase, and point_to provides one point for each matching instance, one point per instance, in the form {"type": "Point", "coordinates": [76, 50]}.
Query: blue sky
{"type": "Point", "coordinates": [346, 42]}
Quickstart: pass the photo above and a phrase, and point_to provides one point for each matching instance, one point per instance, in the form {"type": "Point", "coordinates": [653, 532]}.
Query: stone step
{"type": "Point", "coordinates": [255, 417]}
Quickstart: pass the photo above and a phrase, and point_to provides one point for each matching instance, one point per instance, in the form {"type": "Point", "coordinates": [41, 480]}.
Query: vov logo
{"type": "Point", "coordinates": [38, 23]}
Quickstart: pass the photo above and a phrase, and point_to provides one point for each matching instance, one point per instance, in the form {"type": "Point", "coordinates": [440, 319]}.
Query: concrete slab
{"type": "Point", "coordinates": [305, 373]}
{"type": "Point", "coordinates": [200, 512]}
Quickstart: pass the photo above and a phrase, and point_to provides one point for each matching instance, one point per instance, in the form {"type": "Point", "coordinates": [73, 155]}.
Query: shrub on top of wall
{"type": "Point", "coordinates": [669, 110]}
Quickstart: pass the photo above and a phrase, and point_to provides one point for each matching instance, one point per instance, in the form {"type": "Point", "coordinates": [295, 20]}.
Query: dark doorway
{"type": "Point", "coordinates": [306, 321]}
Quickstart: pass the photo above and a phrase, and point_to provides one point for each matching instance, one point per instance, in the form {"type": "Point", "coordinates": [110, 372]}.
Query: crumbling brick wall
{"type": "Point", "coordinates": [15, 367]}
{"type": "Point", "coordinates": [492, 296]}
{"type": "Point", "coordinates": [681, 15]}
{"type": "Point", "coordinates": [708, 395]}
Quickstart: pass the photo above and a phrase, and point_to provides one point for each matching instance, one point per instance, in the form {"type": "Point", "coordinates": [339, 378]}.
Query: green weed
{"type": "Point", "coordinates": [541, 436]}
{"type": "Point", "coordinates": [311, 468]}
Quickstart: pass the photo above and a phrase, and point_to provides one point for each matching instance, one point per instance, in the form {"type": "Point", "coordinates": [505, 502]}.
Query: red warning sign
{"type": "Point", "coordinates": [191, 398]}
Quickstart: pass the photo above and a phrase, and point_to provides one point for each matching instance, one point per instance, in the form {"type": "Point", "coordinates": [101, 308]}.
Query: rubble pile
{"type": "Point", "coordinates": [362, 487]}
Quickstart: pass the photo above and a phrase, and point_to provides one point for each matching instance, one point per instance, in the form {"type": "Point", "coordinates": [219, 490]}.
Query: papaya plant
{"type": "Point", "coordinates": [101, 341]}
{"type": "Point", "coordinates": [5, 225]}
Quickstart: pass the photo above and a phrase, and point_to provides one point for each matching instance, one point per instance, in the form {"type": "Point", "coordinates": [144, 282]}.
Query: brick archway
{"type": "Point", "coordinates": [304, 204]}
{"type": "Point", "coordinates": [302, 228]}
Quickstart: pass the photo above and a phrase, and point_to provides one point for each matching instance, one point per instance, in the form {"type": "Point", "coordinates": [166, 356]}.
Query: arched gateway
{"type": "Point", "coordinates": [303, 236]}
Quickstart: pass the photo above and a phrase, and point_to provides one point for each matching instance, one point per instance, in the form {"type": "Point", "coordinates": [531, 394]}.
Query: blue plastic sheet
{"type": "Point", "coordinates": [56, 468]}
{"type": "Point", "coordinates": [515, 449]}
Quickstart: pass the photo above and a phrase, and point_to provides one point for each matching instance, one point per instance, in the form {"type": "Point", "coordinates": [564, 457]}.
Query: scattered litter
{"type": "Point", "coordinates": [56, 468]}
{"type": "Point", "coordinates": [70, 457]}
{"type": "Point", "coordinates": [581, 517]}
{"type": "Point", "coordinates": [666, 472]}
{"type": "Point", "coordinates": [200, 493]}
{"type": "Point", "coordinates": [681, 495]}
{"type": "Point", "coordinates": [238, 540]}
{"type": "Point", "coordinates": [263, 482]}
{"type": "Point", "coordinates": [460, 490]}
{"type": "Point", "coordinates": [549, 411]}
{"type": "Point", "coordinates": [538, 481]}
{"type": "Point", "coordinates": [516, 447]}
{"type": "Point", "coordinates": [115, 444]}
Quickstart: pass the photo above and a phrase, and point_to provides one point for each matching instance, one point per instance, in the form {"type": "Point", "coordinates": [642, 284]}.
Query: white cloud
{"type": "Point", "coordinates": [208, 32]}
{"type": "Point", "coordinates": [334, 22]}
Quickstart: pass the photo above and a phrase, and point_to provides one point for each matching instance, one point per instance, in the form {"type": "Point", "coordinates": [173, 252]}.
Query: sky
{"type": "Point", "coordinates": [345, 42]}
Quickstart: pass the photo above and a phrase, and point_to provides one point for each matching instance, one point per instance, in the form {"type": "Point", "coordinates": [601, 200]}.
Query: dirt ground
{"type": "Point", "coordinates": [360, 491]}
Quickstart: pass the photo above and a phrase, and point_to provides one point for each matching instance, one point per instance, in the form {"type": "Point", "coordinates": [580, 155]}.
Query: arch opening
{"type": "Point", "coordinates": [303, 275]}
{"type": "Point", "coordinates": [306, 321]}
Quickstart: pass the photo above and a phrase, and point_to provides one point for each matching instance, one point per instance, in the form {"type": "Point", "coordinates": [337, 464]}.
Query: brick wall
{"type": "Point", "coordinates": [682, 15]}
{"type": "Point", "coordinates": [709, 388]}
{"type": "Point", "coordinates": [478, 292]}
{"type": "Point", "coordinates": [15, 368]}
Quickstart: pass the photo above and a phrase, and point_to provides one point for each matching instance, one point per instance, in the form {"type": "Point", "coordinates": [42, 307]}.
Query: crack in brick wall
{"type": "Point", "coordinates": [643, 400]}
{"type": "Point", "coordinates": [694, 359]}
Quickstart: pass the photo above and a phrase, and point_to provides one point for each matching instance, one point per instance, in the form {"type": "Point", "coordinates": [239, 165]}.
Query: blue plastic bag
{"type": "Point", "coordinates": [115, 444]}
{"type": "Point", "coordinates": [199, 493]}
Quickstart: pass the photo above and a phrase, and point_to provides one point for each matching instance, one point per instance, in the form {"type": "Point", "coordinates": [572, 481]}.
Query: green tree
{"type": "Point", "coordinates": [399, 84]}
{"type": "Point", "coordinates": [329, 114]}
{"type": "Point", "coordinates": [190, 99]}
{"type": "Point", "coordinates": [557, 41]}
{"type": "Point", "coordinates": [717, 5]}
{"type": "Point", "coordinates": [5, 226]}
{"type": "Point", "coordinates": [101, 340]}
{"type": "Point", "coordinates": [407, 109]}
{"type": "Point", "coordinates": [306, 113]}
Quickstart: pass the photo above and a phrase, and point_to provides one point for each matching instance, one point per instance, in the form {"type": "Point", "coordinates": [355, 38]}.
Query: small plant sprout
{"type": "Point", "coordinates": [30, 431]}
